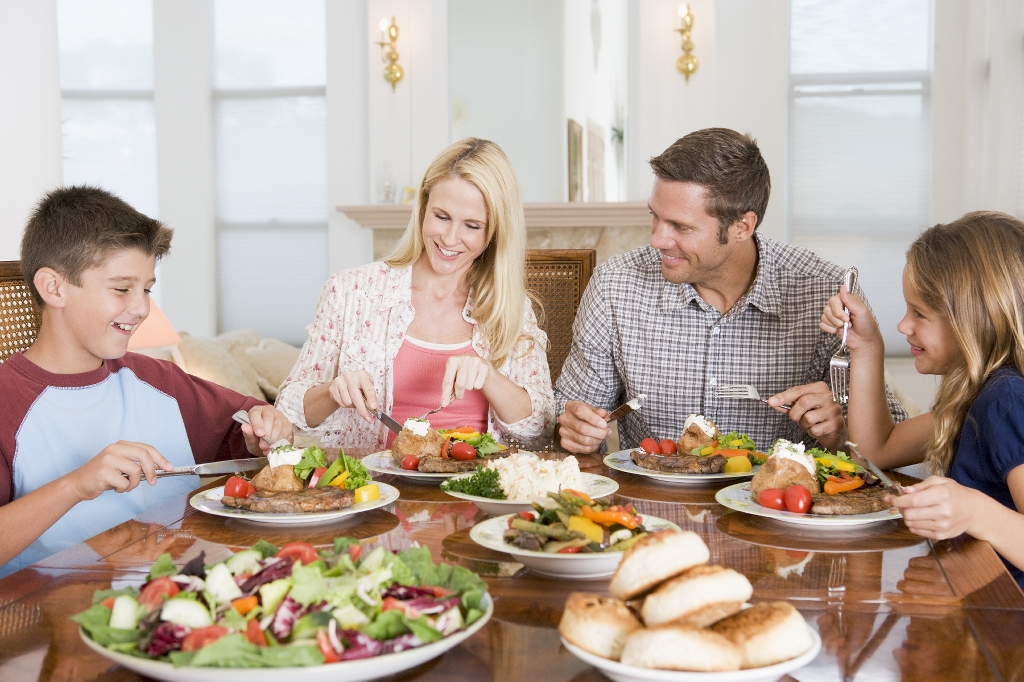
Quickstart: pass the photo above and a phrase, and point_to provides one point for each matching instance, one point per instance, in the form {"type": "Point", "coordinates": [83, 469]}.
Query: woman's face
{"type": "Point", "coordinates": [931, 338]}
{"type": "Point", "coordinates": [454, 226]}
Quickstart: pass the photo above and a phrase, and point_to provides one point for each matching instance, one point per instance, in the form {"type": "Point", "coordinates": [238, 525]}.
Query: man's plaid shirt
{"type": "Point", "coordinates": [636, 332]}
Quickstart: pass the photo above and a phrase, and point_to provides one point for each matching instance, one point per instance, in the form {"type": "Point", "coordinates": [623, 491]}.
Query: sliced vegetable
{"type": "Point", "coordinates": [221, 584]}
{"type": "Point", "coordinates": [245, 604]}
{"type": "Point", "coordinates": [125, 614]}
{"type": "Point", "coordinates": [337, 466]}
{"type": "Point", "coordinates": [610, 518]}
{"type": "Point", "coordinates": [187, 612]}
{"type": "Point", "coordinates": [737, 465]}
{"type": "Point", "coordinates": [299, 551]}
{"type": "Point", "coordinates": [834, 486]}
{"type": "Point", "coordinates": [339, 480]}
{"type": "Point", "coordinates": [730, 452]}
{"type": "Point", "coordinates": [155, 591]}
{"type": "Point", "coordinates": [315, 477]}
{"type": "Point", "coordinates": [588, 527]}
{"type": "Point", "coordinates": [254, 633]}
{"type": "Point", "coordinates": [201, 637]}
{"type": "Point", "coordinates": [367, 493]}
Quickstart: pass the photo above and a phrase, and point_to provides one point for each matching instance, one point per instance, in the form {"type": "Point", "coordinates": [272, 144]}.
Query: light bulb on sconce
{"type": "Point", "coordinates": [686, 64]}
{"type": "Point", "coordinates": [389, 52]}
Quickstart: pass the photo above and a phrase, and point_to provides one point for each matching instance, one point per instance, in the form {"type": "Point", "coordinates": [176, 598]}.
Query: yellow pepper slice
{"type": "Point", "coordinates": [339, 480]}
{"type": "Point", "coordinates": [735, 443]}
{"type": "Point", "coordinates": [737, 465]}
{"type": "Point", "coordinates": [706, 451]}
{"type": "Point", "coordinates": [591, 530]}
{"type": "Point", "coordinates": [367, 493]}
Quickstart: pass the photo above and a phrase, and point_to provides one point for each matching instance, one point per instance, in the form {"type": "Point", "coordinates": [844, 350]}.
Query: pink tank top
{"type": "Point", "coordinates": [419, 371]}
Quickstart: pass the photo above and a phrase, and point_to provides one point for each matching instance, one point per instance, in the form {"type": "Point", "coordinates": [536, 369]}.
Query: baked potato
{"type": "Point", "coordinates": [408, 443]}
{"type": "Point", "coordinates": [781, 473]}
{"type": "Point", "coordinates": [694, 437]}
{"type": "Point", "coordinates": [279, 479]}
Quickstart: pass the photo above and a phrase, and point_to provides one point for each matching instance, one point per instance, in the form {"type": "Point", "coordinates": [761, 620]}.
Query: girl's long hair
{"type": "Point", "coordinates": [971, 271]}
{"type": "Point", "coordinates": [497, 279]}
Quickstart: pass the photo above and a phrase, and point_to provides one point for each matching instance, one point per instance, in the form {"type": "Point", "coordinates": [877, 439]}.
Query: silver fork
{"type": "Point", "coordinates": [743, 392]}
{"type": "Point", "coordinates": [839, 365]}
{"type": "Point", "coordinates": [436, 409]}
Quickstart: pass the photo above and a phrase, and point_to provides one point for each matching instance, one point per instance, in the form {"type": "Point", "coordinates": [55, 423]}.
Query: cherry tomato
{"type": "Point", "coordinates": [773, 498]}
{"type": "Point", "coordinates": [201, 637]}
{"type": "Point", "coordinates": [326, 648]}
{"type": "Point", "coordinates": [463, 451]}
{"type": "Point", "coordinates": [254, 634]}
{"type": "Point", "coordinates": [299, 551]}
{"type": "Point", "coordinates": [411, 463]}
{"type": "Point", "coordinates": [354, 550]}
{"type": "Point", "coordinates": [667, 447]}
{"type": "Point", "coordinates": [798, 499]}
{"type": "Point", "coordinates": [650, 446]}
{"type": "Point", "coordinates": [237, 487]}
{"type": "Point", "coordinates": [154, 592]}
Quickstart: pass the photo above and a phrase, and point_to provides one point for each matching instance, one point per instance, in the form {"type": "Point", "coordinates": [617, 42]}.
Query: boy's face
{"type": "Point", "coordinates": [111, 303]}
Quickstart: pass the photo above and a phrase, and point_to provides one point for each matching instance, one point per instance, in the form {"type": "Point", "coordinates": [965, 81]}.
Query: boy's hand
{"type": "Point", "coordinates": [119, 466]}
{"type": "Point", "coordinates": [268, 427]}
{"type": "Point", "coordinates": [863, 332]}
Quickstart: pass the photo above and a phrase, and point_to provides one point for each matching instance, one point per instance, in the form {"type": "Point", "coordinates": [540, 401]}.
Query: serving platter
{"type": "Point", "coordinates": [350, 671]}
{"type": "Point", "coordinates": [580, 566]}
{"type": "Point", "coordinates": [382, 463]}
{"type": "Point", "coordinates": [620, 461]}
{"type": "Point", "coordinates": [209, 502]}
{"type": "Point", "coordinates": [738, 497]}
{"type": "Point", "coordinates": [594, 485]}
{"type": "Point", "coordinates": [621, 672]}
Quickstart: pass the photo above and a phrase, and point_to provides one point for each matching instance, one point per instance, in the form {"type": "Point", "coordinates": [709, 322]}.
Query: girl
{"type": "Point", "coordinates": [445, 314]}
{"type": "Point", "coordinates": [964, 287]}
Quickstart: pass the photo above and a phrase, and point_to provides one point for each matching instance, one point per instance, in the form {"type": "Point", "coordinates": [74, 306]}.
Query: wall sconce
{"type": "Point", "coordinates": [687, 64]}
{"type": "Point", "coordinates": [389, 53]}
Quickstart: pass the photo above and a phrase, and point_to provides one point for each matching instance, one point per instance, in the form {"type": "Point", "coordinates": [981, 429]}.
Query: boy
{"type": "Point", "coordinates": [89, 260]}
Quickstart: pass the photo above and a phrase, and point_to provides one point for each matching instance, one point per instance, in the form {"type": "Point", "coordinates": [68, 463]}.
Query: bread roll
{"type": "Point", "coordinates": [597, 624]}
{"type": "Point", "coordinates": [699, 597]}
{"type": "Point", "coordinates": [766, 633]}
{"type": "Point", "coordinates": [655, 558]}
{"type": "Point", "coordinates": [681, 647]}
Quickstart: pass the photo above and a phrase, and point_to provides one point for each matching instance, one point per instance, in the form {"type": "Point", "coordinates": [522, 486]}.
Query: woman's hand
{"type": "Point", "coordinates": [863, 333]}
{"type": "Point", "coordinates": [354, 390]}
{"type": "Point", "coordinates": [463, 373]}
{"type": "Point", "coordinates": [938, 507]}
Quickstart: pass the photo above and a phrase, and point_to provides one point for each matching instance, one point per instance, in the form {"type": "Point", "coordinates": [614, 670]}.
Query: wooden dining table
{"type": "Point", "coordinates": [887, 604]}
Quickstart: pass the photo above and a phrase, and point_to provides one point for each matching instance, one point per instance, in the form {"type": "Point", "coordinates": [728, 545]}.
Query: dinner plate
{"type": "Point", "coordinates": [621, 672]}
{"type": "Point", "coordinates": [209, 501]}
{"type": "Point", "coordinates": [350, 671]}
{"type": "Point", "coordinates": [593, 484]}
{"type": "Point", "coordinates": [490, 534]}
{"type": "Point", "coordinates": [382, 463]}
{"type": "Point", "coordinates": [738, 497]}
{"type": "Point", "coordinates": [620, 461]}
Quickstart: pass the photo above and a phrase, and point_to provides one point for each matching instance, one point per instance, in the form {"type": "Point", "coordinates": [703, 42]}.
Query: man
{"type": "Point", "coordinates": [709, 303]}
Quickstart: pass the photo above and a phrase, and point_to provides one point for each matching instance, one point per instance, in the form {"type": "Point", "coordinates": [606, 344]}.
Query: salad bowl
{"type": "Point", "coordinates": [350, 671]}
{"type": "Point", "coordinates": [594, 485]}
{"type": "Point", "coordinates": [490, 534]}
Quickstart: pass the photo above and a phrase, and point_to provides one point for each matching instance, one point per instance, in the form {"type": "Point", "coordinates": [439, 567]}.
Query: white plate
{"type": "Point", "coordinates": [631, 673]}
{"type": "Point", "coordinates": [490, 533]}
{"type": "Point", "coordinates": [209, 501]}
{"type": "Point", "coordinates": [620, 461]}
{"type": "Point", "coordinates": [382, 463]}
{"type": "Point", "coordinates": [593, 484]}
{"type": "Point", "coordinates": [738, 497]}
{"type": "Point", "coordinates": [350, 671]}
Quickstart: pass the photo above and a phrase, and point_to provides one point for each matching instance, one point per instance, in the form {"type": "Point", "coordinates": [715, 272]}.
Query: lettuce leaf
{"type": "Point", "coordinates": [94, 620]}
{"type": "Point", "coordinates": [266, 549]}
{"type": "Point", "coordinates": [388, 625]}
{"type": "Point", "coordinates": [746, 442]}
{"type": "Point", "coordinates": [358, 476]}
{"type": "Point", "coordinates": [163, 567]}
{"type": "Point", "coordinates": [457, 579]}
{"type": "Point", "coordinates": [312, 457]}
{"type": "Point", "coordinates": [100, 595]}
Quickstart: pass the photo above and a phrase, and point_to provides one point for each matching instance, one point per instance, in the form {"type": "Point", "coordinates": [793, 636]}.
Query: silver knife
{"type": "Point", "coordinates": [621, 411]}
{"type": "Point", "coordinates": [889, 484]}
{"type": "Point", "coordinates": [387, 420]}
{"type": "Point", "coordinates": [216, 468]}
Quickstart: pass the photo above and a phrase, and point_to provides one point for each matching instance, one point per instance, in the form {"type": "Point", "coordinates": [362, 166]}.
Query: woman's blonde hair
{"type": "Point", "coordinates": [497, 279]}
{"type": "Point", "coordinates": [971, 271]}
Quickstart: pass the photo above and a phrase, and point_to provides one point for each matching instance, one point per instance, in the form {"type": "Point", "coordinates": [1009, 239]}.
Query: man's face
{"type": "Point", "coordinates": [111, 303]}
{"type": "Point", "coordinates": [684, 233]}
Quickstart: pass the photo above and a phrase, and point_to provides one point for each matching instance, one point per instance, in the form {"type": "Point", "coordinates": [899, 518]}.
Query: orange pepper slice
{"type": "Point", "coordinates": [444, 447]}
{"type": "Point", "coordinates": [610, 518]}
{"type": "Point", "coordinates": [462, 429]}
{"type": "Point", "coordinates": [245, 604]}
{"type": "Point", "coordinates": [834, 486]}
{"type": "Point", "coordinates": [583, 496]}
{"type": "Point", "coordinates": [731, 452]}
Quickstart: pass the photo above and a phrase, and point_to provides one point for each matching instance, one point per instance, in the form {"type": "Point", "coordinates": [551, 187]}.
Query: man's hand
{"type": "Point", "coordinates": [119, 466]}
{"type": "Point", "coordinates": [268, 427]}
{"type": "Point", "coordinates": [582, 428]}
{"type": "Point", "coordinates": [815, 411]}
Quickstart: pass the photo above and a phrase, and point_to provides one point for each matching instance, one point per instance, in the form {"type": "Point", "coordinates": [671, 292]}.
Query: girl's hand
{"type": "Point", "coordinates": [937, 507]}
{"type": "Point", "coordinates": [354, 390]}
{"type": "Point", "coordinates": [863, 333]}
{"type": "Point", "coordinates": [463, 373]}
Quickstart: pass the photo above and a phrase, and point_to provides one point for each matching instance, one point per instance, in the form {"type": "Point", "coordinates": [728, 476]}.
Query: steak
{"type": "Point", "coordinates": [682, 464]}
{"type": "Point", "coordinates": [436, 465]}
{"type": "Point", "coordinates": [863, 500]}
{"type": "Point", "coordinates": [292, 502]}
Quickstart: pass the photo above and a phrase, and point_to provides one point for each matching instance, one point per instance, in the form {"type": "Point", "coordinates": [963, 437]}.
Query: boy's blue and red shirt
{"type": "Point", "coordinates": [54, 423]}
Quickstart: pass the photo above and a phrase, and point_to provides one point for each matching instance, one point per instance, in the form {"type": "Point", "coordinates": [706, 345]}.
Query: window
{"type": "Point", "coordinates": [860, 139]}
{"type": "Point", "coordinates": [270, 136]}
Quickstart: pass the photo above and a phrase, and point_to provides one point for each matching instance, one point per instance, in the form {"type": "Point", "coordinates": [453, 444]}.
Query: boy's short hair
{"type": "Point", "coordinates": [728, 165]}
{"type": "Point", "coordinates": [75, 228]}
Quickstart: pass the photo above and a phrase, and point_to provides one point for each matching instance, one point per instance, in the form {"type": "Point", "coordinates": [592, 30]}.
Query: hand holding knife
{"type": "Point", "coordinates": [622, 410]}
{"type": "Point", "coordinates": [889, 484]}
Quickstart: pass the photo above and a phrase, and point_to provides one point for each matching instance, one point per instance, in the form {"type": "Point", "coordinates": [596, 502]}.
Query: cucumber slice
{"type": "Point", "coordinates": [248, 560]}
{"type": "Point", "coordinates": [185, 611]}
{"type": "Point", "coordinates": [125, 614]}
{"type": "Point", "coordinates": [221, 584]}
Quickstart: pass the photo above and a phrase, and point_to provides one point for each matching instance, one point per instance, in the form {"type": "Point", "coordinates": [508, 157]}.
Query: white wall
{"type": "Point", "coordinates": [30, 142]}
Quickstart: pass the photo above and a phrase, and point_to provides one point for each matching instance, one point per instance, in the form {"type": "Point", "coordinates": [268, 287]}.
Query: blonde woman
{"type": "Point", "coordinates": [964, 286]}
{"type": "Point", "coordinates": [443, 321]}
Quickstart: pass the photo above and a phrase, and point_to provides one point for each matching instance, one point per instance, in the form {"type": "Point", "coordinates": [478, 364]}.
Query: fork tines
{"type": "Point", "coordinates": [839, 373]}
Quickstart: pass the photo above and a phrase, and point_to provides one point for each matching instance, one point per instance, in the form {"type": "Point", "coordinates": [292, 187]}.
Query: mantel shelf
{"type": "Point", "coordinates": [538, 215]}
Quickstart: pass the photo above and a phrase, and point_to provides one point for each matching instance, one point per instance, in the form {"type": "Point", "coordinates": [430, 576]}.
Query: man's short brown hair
{"type": "Point", "coordinates": [75, 228]}
{"type": "Point", "coordinates": [729, 167]}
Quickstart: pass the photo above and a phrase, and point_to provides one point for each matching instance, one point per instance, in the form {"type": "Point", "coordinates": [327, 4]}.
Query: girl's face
{"type": "Point", "coordinates": [454, 226]}
{"type": "Point", "coordinates": [931, 338]}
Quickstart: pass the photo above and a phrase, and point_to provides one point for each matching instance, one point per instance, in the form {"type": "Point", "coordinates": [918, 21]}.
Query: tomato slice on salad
{"type": "Point", "coordinates": [155, 591]}
{"type": "Point", "coordinates": [326, 648]}
{"type": "Point", "coordinates": [299, 551]}
{"type": "Point", "coordinates": [201, 637]}
{"type": "Point", "coordinates": [254, 634]}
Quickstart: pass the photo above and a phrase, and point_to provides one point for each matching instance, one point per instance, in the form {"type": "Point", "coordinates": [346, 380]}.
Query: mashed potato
{"type": "Point", "coordinates": [524, 475]}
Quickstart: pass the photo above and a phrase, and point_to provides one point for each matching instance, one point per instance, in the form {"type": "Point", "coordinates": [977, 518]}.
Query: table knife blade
{"type": "Point", "coordinates": [621, 411]}
{"type": "Point", "coordinates": [889, 484]}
